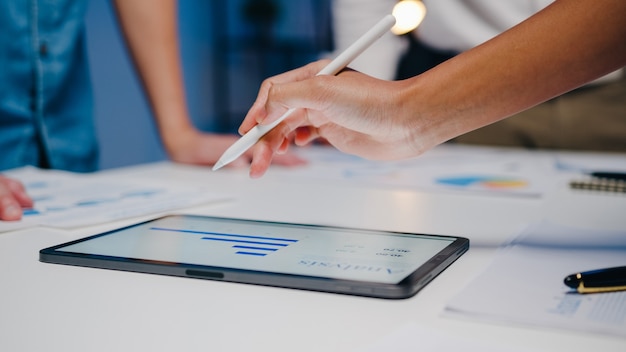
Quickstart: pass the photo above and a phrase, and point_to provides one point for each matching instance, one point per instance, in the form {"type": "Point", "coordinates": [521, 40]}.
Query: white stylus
{"type": "Point", "coordinates": [338, 64]}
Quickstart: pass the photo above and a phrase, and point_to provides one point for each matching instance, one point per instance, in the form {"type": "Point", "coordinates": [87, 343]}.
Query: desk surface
{"type": "Point", "coordinates": [54, 307]}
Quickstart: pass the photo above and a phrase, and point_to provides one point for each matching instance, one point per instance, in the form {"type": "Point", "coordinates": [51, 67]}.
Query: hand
{"type": "Point", "coordinates": [355, 113]}
{"type": "Point", "coordinates": [391, 120]}
{"type": "Point", "coordinates": [13, 198]}
{"type": "Point", "coordinates": [195, 147]}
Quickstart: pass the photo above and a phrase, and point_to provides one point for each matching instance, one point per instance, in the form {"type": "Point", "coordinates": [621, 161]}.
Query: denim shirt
{"type": "Point", "coordinates": [45, 92]}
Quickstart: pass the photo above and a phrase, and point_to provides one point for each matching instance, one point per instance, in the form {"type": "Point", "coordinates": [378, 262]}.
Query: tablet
{"type": "Point", "coordinates": [321, 258]}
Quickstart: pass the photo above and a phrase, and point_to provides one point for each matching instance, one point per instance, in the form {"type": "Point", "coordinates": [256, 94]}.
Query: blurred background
{"type": "Point", "coordinates": [227, 48]}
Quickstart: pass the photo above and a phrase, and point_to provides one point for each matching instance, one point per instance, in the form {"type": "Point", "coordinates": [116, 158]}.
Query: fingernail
{"type": "Point", "coordinates": [12, 211]}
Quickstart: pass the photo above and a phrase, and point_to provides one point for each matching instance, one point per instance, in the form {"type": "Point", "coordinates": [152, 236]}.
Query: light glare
{"type": "Point", "coordinates": [409, 14]}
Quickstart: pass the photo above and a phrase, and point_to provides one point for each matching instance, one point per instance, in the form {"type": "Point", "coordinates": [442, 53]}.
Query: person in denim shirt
{"type": "Point", "coordinates": [45, 95]}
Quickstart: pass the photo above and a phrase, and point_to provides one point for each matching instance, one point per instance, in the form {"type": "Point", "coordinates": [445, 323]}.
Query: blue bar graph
{"type": "Point", "coordinates": [244, 244]}
{"type": "Point", "coordinates": [223, 234]}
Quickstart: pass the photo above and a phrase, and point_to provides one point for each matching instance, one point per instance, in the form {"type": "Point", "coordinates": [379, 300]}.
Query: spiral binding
{"type": "Point", "coordinates": [600, 184]}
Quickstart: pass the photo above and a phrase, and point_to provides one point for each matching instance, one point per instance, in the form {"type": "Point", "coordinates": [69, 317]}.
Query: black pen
{"type": "Point", "coordinates": [601, 280]}
{"type": "Point", "coordinates": [607, 175]}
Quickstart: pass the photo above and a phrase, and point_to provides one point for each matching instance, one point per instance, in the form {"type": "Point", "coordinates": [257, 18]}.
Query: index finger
{"type": "Point", "coordinates": [257, 112]}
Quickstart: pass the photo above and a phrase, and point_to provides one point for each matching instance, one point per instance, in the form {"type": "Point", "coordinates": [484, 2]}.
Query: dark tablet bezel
{"type": "Point", "coordinates": [406, 288]}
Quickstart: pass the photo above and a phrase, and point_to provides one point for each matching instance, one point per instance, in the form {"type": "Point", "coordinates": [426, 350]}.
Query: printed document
{"type": "Point", "coordinates": [524, 284]}
{"type": "Point", "coordinates": [65, 199]}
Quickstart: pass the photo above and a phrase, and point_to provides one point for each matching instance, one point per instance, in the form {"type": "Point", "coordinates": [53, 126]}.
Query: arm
{"type": "Point", "coordinates": [13, 198]}
{"type": "Point", "coordinates": [151, 32]}
{"type": "Point", "coordinates": [562, 47]}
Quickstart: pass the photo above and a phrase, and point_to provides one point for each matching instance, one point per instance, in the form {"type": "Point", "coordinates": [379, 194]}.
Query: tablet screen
{"type": "Point", "coordinates": [305, 250]}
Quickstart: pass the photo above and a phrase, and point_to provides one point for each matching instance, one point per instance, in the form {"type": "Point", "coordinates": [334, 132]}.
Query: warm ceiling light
{"type": "Point", "coordinates": [409, 14]}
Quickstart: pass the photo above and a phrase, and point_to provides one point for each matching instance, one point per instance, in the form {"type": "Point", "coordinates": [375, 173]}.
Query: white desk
{"type": "Point", "coordinates": [64, 308]}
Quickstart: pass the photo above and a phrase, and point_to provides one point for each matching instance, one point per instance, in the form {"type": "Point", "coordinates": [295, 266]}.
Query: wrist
{"type": "Point", "coordinates": [422, 116]}
{"type": "Point", "coordinates": [174, 136]}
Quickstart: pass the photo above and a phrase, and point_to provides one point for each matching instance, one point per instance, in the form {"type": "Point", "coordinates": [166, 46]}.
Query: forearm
{"type": "Point", "coordinates": [568, 44]}
{"type": "Point", "coordinates": [150, 30]}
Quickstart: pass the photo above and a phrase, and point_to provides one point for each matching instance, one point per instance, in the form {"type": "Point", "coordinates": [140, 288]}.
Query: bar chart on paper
{"type": "Point", "coordinates": [64, 199]}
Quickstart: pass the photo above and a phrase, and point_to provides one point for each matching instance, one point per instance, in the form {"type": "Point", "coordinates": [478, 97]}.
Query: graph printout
{"type": "Point", "coordinates": [65, 199]}
{"type": "Point", "coordinates": [464, 170]}
{"type": "Point", "coordinates": [524, 284]}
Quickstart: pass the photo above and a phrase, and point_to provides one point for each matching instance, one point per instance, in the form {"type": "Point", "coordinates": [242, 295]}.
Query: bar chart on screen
{"type": "Point", "coordinates": [241, 244]}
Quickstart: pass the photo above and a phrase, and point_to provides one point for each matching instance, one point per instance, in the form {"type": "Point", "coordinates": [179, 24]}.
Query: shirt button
{"type": "Point", "coordinates": [43, 49]}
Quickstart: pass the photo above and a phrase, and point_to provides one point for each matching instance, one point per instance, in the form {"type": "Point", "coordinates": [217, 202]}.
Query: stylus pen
{"type": "Point", "coordinates": [339, 63]}
{"type": "Point", "coordinates": [601, 280]}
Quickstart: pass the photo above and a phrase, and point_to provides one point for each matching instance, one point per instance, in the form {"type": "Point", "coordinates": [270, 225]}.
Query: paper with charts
{"type": "Point", "coordinates": [446, 168]}
{"type": "Point", "coordinates": [524, 283]}
{"type": "Point", "coordinates": [456, 168]}
{"type": "Point", "coordinates": [65, 200]}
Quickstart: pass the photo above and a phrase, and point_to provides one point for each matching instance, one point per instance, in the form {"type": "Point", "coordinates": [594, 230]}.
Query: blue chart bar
{"type": "Point", "coordinates": [251, 245]}
{"type": "Point", "coordinates": [244, 241]}
{"type": "Point", "coordinates": [27, 212]}
{"type": "Point", "coordinates": [224, 234]}
{"type": "Point", "coordinates": [251, 253]}
{"type": "Point", "coordinates": [256, 248]}
{"type": "Point", "coordinates": [262, 251]}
